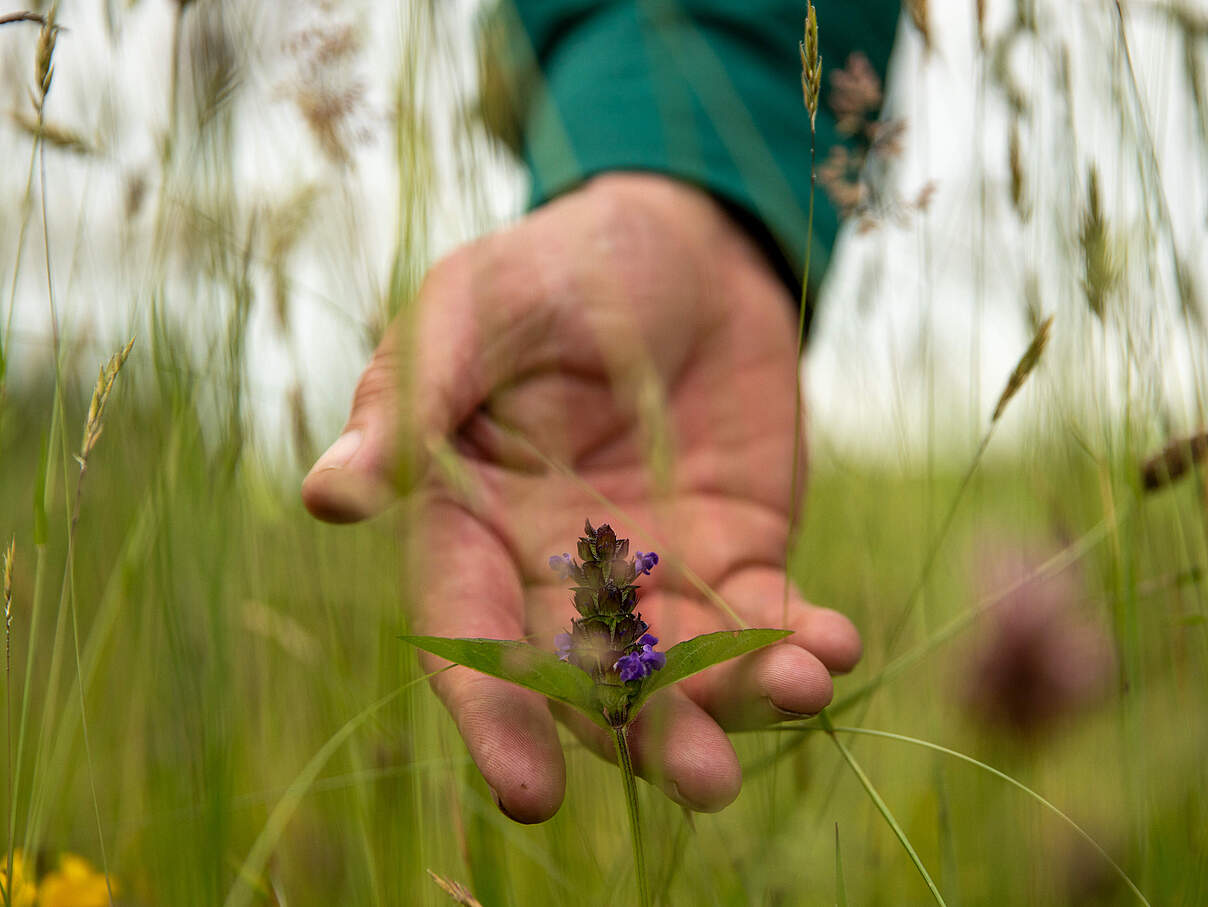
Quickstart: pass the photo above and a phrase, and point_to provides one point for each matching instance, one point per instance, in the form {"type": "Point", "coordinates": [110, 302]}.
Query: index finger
{"type": "Point", "coordinates": [472, 589]}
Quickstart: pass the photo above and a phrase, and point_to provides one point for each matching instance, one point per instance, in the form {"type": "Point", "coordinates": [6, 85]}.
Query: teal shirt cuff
{"type": "Point", "coordinates": [708, 92]}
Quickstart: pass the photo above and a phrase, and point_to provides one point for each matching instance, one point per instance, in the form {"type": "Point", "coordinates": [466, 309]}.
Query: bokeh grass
{"type": "Point", "coordinates": [258, 734]}
{"type": "Point", "coordinates": [227, 639]}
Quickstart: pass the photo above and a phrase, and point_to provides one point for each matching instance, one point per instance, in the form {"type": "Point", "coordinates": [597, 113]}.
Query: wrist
{"type": "Point", "coordinates": [729, 235]}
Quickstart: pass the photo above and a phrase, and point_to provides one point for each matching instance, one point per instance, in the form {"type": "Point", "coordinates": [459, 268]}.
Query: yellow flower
{"type": "Point", "coordinates": [76, 883]}
{"type": "Point", "coordinates": [24, 893]}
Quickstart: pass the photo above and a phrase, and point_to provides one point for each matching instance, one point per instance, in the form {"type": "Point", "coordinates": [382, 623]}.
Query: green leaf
{"type": "Point", "coordinates": [694, 655]}
{"type": "Point", "coordinates": [523, 664]}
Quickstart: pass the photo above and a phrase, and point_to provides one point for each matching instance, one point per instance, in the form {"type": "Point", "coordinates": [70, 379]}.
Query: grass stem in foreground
{"type": "Point", "coordinates": [1047, 804]}
{"type": "Point", "coordinates": [881, 807]}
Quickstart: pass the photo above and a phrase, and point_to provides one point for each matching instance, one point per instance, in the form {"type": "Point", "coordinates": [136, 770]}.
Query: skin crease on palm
{"type": "Point", "coordinates": [627, 316]}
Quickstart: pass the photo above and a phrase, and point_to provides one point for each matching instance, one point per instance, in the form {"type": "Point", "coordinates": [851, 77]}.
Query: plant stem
{"type": "Point", "coordinates": [635, 825]}
{"type": "Point", "coordinates": [795, 490]}
{"type": "Point", "coordinates": [881, 806]}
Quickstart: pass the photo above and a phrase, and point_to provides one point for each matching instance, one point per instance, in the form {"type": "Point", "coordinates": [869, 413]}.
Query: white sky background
{"type": "Point", "coordinates": [918, 329]}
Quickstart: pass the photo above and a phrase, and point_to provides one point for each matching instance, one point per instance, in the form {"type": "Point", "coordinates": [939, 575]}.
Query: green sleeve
{"type": "Point", "coordinates": [708, 91]}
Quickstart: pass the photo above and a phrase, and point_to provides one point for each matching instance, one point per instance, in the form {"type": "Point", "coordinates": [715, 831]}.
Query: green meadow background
{"type": "Point", "coordinates": [204, 689]}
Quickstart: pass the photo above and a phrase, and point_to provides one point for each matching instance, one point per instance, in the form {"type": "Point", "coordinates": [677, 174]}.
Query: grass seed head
{"type": "Point", "coordinates": [1027, 362]}
{"type": "Point", "coordinates": [56, 136]}
{"type": "Point", "coordinates": [458, 892]}
{"type": "Point", "coordinates": [1173, 461]}
{"type": "Point", "coordinates": [811, 64]}
{"type": "Point", "coordinates": [9, 554]}
{"type": "Point", "coordinates": [855, 95]}
{"type": "Point", "coordinates": [1015, 160]}
{"type": "Point", "coordinates": [1101, 272]}
{"type": "Point", "coordinates": [919, 16]}
{"type": "Point", "coordinates": [106, 378]}
{"type": "Point", "coordinates": [1190, 302]}
{"type": "Point", "coordinates": [44, 57]}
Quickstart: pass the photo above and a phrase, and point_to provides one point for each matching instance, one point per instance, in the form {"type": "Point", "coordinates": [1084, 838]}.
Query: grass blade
{"type": "Point", "coordinates": [881, 806]}
{"type": "Point", "coordinates": [262, 848]}
{"type": "Point", "coordinates": [1049, 805]}
{"type": "Point", "coordinates": [840, 887]}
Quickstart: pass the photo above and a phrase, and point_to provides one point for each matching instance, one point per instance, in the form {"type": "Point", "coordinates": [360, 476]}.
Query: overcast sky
{"type": "Point", "coordinates": [922, 319]}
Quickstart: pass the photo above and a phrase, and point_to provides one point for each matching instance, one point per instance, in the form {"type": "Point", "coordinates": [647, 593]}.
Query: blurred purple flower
{"type": "Point", "coordinates": [563, 643]}
{"type": "Point", "coordinates": [643, 563]}
{"type": "Point", "coordinates": [1041, 660]}
{"type": "Point", "coordinates": [561, 564]}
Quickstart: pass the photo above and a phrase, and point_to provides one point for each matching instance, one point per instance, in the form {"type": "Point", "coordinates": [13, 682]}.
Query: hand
{"type": "Point", "coordinates": [631, 331]}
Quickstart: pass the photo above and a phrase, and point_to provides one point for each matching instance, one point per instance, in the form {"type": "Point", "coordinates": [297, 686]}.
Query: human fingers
{"type": "Point", "coordinates": [472, 589]}
{"type": "Point", "coordinates": [675, 746]}
{"type": "Point", "coordinates": [477, 322]}
{"type": "Point", "coordinates": [783, 681]}
{"type": "Point", "coordinates": [589, 286]}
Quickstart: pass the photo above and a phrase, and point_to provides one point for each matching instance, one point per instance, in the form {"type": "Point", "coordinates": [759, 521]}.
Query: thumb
{"type": "Point", "coordinates": [356, 477]}
{"type": "Point", "coordinates": [435, 366]}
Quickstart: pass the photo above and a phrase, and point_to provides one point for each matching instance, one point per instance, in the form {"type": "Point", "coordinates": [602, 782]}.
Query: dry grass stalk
{"type": "Point", "coordinates": [455, 890]}
{"type": "Point", "coordinates": [56, 136]}
{"type": "Point", "coordinates": [1195, 83]}
{"type": "Point", "coordinates": [919, 16]}
{"type": "Point", "coordinates": [811, 64]}
{"type": "Point", "coordinates": [1174, 461]}
{"type": "Point", "coordinates": [855, 94]}
{"type": "Point", "coordinates": [286, 226]}
{"type": "Point", "coordinates": [1002, 76]}
{"type": "Point", "coordinates": [1032, 307]}
{"type": "Point", "coordinates": [94, 424]}
{"type": "Point", "coordinates": [304, 445]}
{"type": "Point", "coordinates": [1027, 362]}
{"type": "Point", "coordinates": [1015, 160]}
{"type": "Point", "coordinates": [328, 90]}
{"type": "Point", "coordinates": [24, 16]}
{"type": "Point", "coordinates": [981, 24]}
{"type": "Point", "coordinates": [9, 554]}
{"type": "Point", "coordinates": [44, 68]}
{"type": "Point", "coordinates": [1191, 304]}
{"type": "Point", "coordinates": [1025, 15]}
{"type": "Point", "coordinates": [1101, 271]}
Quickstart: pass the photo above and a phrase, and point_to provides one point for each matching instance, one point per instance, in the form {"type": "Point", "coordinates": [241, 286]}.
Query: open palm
{"type": "Point", "coordinates": [624, 354]}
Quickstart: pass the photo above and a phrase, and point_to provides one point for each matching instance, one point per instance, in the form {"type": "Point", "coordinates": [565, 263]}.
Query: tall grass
{"type": "Point", "coordinates": [207, 697]}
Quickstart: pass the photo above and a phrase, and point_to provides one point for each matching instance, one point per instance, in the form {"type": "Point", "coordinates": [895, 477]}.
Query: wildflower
{"type": "Point", "coordinates": [561, 564]}
{"type": "Point", "coordinates": [644, 562]}
{"type": "Point", "coordinates": [21, 887]}
{"type": "Point", "coordinates": [563, 643]}
{"type": "Point", "coordinates": [608, 640]}
{"type": "Point", "coordinates": [641, 664]}
{"type": "Point", "coordinates": [75, 883]}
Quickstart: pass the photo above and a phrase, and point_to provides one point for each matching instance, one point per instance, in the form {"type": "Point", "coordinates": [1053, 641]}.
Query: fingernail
{"type": "Point", "coordinates": [786, 715]}
{"type": "Point", "coordinates": [338, 455]}
{"type": "Point", "coordinates": [672, 790]}
{"type": "Point", "coordinates": [499, 803]}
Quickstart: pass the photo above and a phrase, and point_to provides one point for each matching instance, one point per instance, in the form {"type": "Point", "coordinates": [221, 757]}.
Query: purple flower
{"type": "Point", "coordinates": [642, 563]}
{"type": "Point", "coordinates": [563, 644]}
{"type": "Point", "coordinates": [561, 564]}
{"type": "Point", "coordinates": [637, 665]}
